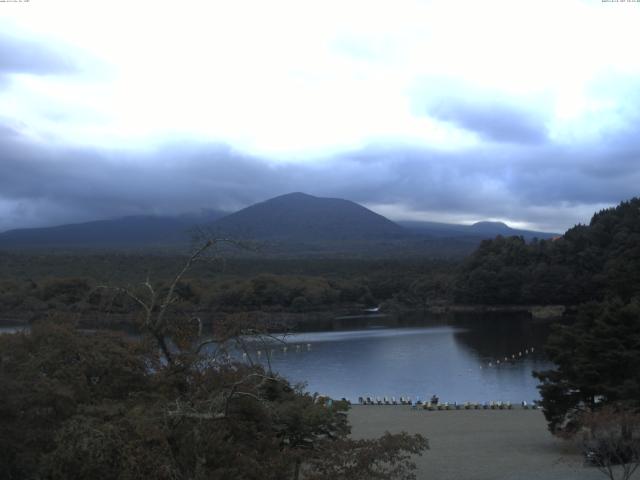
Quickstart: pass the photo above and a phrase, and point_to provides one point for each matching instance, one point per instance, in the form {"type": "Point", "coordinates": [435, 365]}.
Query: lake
{"type": "Point", "coordinates": [459, 361]}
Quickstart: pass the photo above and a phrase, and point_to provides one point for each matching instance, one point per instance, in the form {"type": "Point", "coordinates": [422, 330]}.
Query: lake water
{"type": "Point", "coordinates": [459, 360]}
{"type": "Point", "coordinates": [463, 361]}
{"type": "Point", "coordinates": [12, 329]}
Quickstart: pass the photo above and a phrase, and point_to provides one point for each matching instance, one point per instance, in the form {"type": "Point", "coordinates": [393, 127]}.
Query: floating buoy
{"type": "Point", "coordinates": [532, 349]}
{"type": "Point", "coordinates": [497, 362]}
{"type": "Point", "coordinates": [259, 352]}
{"type": "Point", "coordinates": [284, 349]}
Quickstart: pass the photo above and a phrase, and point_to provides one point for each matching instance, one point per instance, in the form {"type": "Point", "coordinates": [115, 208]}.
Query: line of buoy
{"type": "Point", "coordinates": [285, 349]}
{"type": "Point", "coordinates": [513, 357]}
{"type": "Point", "coordinates": [271, 352]}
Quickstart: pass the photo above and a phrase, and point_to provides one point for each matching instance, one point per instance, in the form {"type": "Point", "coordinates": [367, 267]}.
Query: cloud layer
{"type": "Point", "coordinates": [24, 55]}
{"type": "Point", "coordinates": [415, 109]}
{"type": "Point", "coordinates": [551, 188]}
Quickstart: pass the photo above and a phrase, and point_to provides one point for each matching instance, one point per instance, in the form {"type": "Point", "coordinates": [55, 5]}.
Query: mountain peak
{"type": "Point", "coordinates": [493, 226]}
{"type": "Point", "coordinates": [302, 217]}
{"type": "Point", "coordinates": [293, 196]}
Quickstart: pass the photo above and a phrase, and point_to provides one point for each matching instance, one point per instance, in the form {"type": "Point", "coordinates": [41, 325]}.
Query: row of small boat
{"type": "Point", "coordinates": [386, 401]}
{"type": "Point", "coordinates": [442, 406]}
{"type": "Point", "coordinates": [471, 406]}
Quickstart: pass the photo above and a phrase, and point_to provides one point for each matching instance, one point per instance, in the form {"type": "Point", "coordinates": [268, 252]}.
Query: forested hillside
{"type": "Point", "coordinates": [590, 262]}
{"type": "Point", "coordinates": [34, 286]}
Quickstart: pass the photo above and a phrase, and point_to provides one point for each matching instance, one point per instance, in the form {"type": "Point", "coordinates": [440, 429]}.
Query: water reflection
{"type": "Point", "coordinates": [459, 362]}
{"type": "Point", "coordinates": [13, 329]}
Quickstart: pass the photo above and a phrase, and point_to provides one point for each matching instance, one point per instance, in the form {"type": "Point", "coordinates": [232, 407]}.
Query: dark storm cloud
{"type": "Point", "coordinates": [21, 55]}
{"type": "Point", "coordinates": [550, 186]}
{"type": "Point", "coordinates": [490, 114]}
{"type": "Point", "coordinates": [493, 121]}
{"type": "Point", "coordinates": [604, 170]}
{"type": "Point", "coordinates": [43, 186]}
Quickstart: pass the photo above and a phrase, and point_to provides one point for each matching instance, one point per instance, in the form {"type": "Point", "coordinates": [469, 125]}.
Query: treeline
{"type": "Point", "coordinates": [123, 267]}
{"type": "Point", "coordinates": [590, 262]}
{"type": "Point", "coordinates": [359, 286]}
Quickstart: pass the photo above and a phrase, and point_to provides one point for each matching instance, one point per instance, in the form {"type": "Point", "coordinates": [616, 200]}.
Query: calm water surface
{"type": "Point", "coordinates": [457, 362]}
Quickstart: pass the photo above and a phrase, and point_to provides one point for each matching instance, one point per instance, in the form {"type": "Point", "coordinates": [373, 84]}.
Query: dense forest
{"type": "Point", "coordinates": [597, 363]}
{"type": "Point", "coordinates": [34, 286]}
{"type": "Point", "coordinates": [589, 262]}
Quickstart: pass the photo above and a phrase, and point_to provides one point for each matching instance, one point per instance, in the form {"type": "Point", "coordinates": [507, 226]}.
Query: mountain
{"type": "Point", "coordinates": [301, 217]}
{"type": "Point", "coordinates": [293, 224]}
{"type": "Point", "coordinates": [479, 230]}
{"type": "Point", "coordinates": [132, 231]}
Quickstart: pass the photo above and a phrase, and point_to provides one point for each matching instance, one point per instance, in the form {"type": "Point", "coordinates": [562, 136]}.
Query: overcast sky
{"type": "Point", "coordinates": [522, 111]}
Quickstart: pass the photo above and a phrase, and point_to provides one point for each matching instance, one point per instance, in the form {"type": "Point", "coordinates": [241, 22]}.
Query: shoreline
{"type": "Point", "coordinates": [323, 320]}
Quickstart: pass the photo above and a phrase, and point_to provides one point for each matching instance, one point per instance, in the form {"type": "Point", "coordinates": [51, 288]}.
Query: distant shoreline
{"type": "Point", "coordinates": [320, 318]}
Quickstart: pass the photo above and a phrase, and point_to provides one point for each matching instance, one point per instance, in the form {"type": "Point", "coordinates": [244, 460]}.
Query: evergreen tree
{"type": "Point", "coordinates": [596, 361]}
{"type": "Point", "coordinates": [589, 262]}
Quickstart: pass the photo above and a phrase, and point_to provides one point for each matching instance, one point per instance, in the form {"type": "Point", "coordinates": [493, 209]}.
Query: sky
{"type": "Point", "coordinates": [520, 111]}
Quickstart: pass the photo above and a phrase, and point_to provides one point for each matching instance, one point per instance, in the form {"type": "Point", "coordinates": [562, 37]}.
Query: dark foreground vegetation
{"type": "Point", "coordinates": [79, 405]}
{"type": "Point", "coordinates": [597, 360]}
{"type": "Point", "coordinates": [76, 406]}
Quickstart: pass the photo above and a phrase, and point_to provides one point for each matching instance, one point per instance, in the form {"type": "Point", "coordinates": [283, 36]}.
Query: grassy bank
{"type": "Point", "coordinates": [478, 444]}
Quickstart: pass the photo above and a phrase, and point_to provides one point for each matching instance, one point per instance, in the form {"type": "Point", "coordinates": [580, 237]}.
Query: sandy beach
{"type": "Point", "coordinates": [478, 444]}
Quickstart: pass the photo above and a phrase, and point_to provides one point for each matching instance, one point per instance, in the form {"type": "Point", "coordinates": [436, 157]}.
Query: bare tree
{"type": "Point", "coordinates": [182, 335]}
{"type": "Point", "coordinates": [612, 441]}
{"type": "Point", "coordinates": [156, 304]}
{"type": "Point", "coordinates": [310, 431]}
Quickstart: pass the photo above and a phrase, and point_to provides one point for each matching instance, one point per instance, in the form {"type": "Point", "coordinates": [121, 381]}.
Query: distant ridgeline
{"type": "Point", "coordinates": [293, 224]}
{"type": "Point", "coordinates": [590, 262]}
